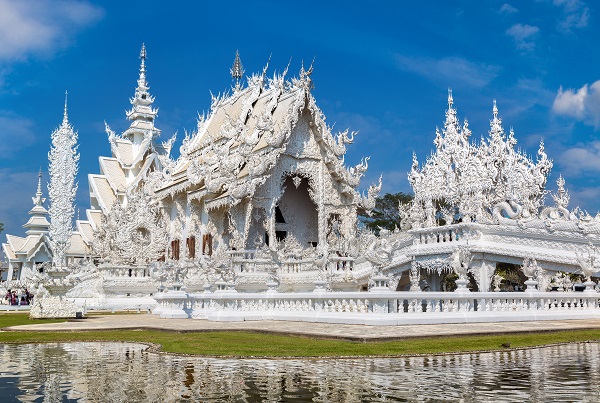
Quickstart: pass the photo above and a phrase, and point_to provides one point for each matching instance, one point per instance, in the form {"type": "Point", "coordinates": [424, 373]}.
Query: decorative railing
{"type": "Point", "coordinates": [443, 234]}
{"type": "Point", "coordinates": [389, 308]}
{"type": "Point", "coordinates": [246, 261]}
{"type": "Point", "coordinates": [297, 265]}
{"type": "Point", "coordinates": [126, 271]}
{"type": "Point", "coordinates": [337, 264]}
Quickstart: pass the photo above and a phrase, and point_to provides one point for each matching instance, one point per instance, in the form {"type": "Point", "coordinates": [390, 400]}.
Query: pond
{"type": "Point", "coordinates": [125, 372]}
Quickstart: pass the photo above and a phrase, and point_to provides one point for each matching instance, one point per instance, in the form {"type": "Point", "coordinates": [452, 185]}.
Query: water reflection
{"type": "Point", "coordinates": [124, 372]}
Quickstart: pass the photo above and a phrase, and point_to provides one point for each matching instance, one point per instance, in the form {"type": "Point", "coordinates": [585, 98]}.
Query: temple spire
{"type": "Point", "coordinates": [38, 222]}
{"type": "Point", "coordinates": [237, 72]}
{"type": "Point", "coordinates": [142, 100]}
{"type": "Point", "coordinates": [142, 80]}
{"type": "Point", "coordinates": [65, 114]}
{"type": "Point", "coordinates": [38, 200]}
{"type": "Point", "coordinates": [451, 123]}
{"type": "Point", "coordinates": [63, 161]}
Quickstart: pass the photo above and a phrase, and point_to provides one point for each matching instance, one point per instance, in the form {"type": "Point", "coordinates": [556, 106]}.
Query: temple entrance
{"type": "Point", "coordinates": [514, 279]}
{"type": "Point", "coordinates": [296, 214]}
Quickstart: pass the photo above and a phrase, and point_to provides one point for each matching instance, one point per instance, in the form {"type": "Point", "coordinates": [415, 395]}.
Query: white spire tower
{"type": "Point", "coordinates": [38, 222]}
{"type": "Point", "coordinates": [142, 114]}
{"type": "Point", "coordinates": [63, 166]}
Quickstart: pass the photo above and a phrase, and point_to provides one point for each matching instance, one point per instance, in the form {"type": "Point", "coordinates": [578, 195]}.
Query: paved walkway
{"type": "Point", "coordinates": [322, 330]}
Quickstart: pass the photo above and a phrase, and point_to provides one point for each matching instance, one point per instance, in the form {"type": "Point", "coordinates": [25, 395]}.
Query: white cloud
{"type": "Point", "coordinates": [508, 9]}
{"type": "Point", "coordinates": [585, 198]}
{"type": "Point", "coordinates": [570, 103]}
{"type": "Point", "coordinates": [582, 104]}
{"type": "Point", "coordinates": [582, 159]}
{"type": "Point", "coordinates": [523, 35]}
{"type": "Point", "coordinates": [575, 14]}
{"type": "Point", "coordinates": [454, 71]}
{"type": "Point", "coordinates": [38, 27]}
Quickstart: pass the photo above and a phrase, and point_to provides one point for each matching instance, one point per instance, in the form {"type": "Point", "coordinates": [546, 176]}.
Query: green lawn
{"type": "Point", "coordinates": [270, 345]}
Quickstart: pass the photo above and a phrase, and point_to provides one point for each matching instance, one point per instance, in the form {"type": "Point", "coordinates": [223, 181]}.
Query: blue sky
{"type": "Point", "coordinates": [381, 68]}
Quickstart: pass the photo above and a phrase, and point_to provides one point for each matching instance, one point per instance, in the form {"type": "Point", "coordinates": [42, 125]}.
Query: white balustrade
{"type": "Point", "coordinates": [391, 307]}
{"type": "Point", "coordinates": [443, 234]}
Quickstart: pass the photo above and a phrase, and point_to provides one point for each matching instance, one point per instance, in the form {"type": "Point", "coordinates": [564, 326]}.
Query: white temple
{"type": "Point", "coordinates": [257, 219]}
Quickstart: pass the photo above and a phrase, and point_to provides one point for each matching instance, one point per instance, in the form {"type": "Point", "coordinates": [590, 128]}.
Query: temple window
{"type": "Point", "coordinates": [191, 246]}
{"type": "Point", "coordinates": [334, 224]}
{"type": "Point", "coordinates": [207, 240]}
{"type": "Point", "coordinates": [175, 249]}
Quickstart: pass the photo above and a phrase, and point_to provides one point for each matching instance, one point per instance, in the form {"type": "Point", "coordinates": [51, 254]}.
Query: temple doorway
{"type": "Point", "coordinates": [296, 214]}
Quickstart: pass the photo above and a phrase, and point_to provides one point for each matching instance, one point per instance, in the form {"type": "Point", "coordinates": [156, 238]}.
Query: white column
{"type": "Point", "coordinates": [10, 271]}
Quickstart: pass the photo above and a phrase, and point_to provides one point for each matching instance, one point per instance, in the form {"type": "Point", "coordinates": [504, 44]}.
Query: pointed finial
{"type": "Point", "coordinates": [38, 200]}
{"type": "Point", "coordinates": [143, 52]}
{"type": "Point", "coordinates": [286, 68]}
{"type": "Point", "coordinates": [267, 65]}
{"type": "Point", "coordinates": [237, 70]}
{"type": "Point", "coordinates": [65, 115]}
{"type": "Point", "coordinates": [306, 73]}
{"type": "Point", "coordinates": [39, 189]}
{"type": "Point", "coordinates": [495, 110]}
{"type": "Point", "coordinates": [310, 69]}
{"type": "Point", "coordinates": [450, 99]}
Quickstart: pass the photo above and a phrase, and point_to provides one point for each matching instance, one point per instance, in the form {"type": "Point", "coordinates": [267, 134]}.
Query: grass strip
{"type": "Point", "coordinates": [251, 344]}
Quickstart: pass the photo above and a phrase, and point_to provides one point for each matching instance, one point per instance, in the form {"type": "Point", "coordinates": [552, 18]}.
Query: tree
{"type": "Point", "coordinates": [385, 214]}
{"type": "Point", "coordinates": [1, 227]}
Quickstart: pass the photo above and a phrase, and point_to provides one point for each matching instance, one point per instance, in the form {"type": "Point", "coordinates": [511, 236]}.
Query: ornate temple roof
{"type": "Point", "coordinates": [473, 179]}
{"type": "Point", "coordinates": [239, 141]}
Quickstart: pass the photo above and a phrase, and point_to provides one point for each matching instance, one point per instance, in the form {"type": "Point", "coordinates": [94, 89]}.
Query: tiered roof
{"type": "Point", "coordinates": [236, 145]}
{"type": "Point", "coordinates": [134, 153]}
{"type": "Point", "coordinates": [23, 248]}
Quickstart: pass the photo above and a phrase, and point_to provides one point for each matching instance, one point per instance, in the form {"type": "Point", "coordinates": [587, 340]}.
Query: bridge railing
{"type": "Point", "coordinates": [443, 233]}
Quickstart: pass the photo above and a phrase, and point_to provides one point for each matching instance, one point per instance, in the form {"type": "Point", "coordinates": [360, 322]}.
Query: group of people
{"type": "Point", "coordinates": [14, 299]}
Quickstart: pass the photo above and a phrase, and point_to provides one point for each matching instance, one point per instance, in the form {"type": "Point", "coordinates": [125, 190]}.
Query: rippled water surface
{"type": "Point", "coordinates": [124, 372]}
